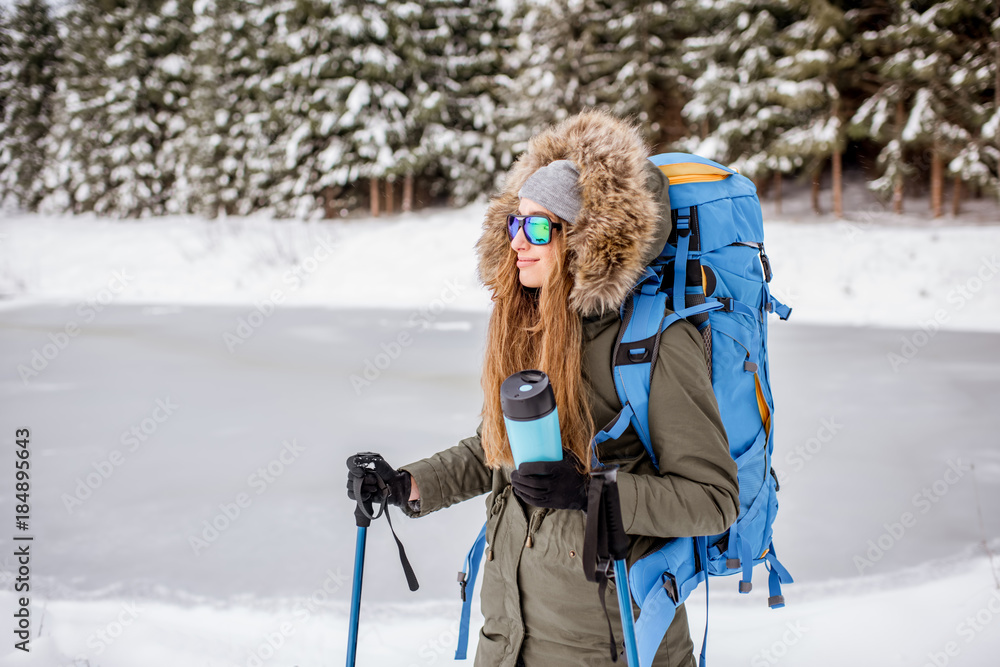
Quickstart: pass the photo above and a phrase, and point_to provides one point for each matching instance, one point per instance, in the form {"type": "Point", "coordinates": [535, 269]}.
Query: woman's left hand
{"type": "Point", "coordinates": [552, 484]}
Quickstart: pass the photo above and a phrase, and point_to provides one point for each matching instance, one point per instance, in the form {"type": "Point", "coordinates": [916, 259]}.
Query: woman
{"type": "Point", "coordinates": [557, 286]}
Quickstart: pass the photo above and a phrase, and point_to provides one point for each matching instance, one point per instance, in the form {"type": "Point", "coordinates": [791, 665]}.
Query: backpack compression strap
{"type": "Point", "coordinates": [467, 582]}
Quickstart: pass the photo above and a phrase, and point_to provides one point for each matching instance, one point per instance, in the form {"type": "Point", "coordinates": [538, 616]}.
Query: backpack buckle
{"type": "Point", "coordinates": [670, 585]}
{"type": "Point", "coordinates": [766, 264]}
{"type": "Point", "coordinates": [462, 583]}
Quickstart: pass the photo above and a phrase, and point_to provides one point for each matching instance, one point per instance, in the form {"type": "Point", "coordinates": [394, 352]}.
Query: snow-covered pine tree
{"type": "Point", "coordinates": [916, 113]}
{"type": "Point", "coordinates": [7, 199]}
{"type": "Point", "coordinates": [665, 71]}
{"type": "Point", "coordinates": [121, 87]}
{"type": "Point", "coordinates": [343, 97]}
{"type": "Point", "coordinates": [461, 47]}
{"type": "Point", "coordinates": [970, 82]}
{"type": "Point", "coordinates": [575, 54]}
{"type": "Point", "coordinates": [742, 100]}
{"type": "Point", "coordinates": [29, 53]}
{"type": "Point", "coordinates": [229, 125]}
{"type": "Point", "coordinates": [815, 50]}
{"type": "Point", "coordinates": [76, 172]}
{"type": "Point", "coordinates": [5, 61]}
{"type": "Point", "coordinates": [168, 86]}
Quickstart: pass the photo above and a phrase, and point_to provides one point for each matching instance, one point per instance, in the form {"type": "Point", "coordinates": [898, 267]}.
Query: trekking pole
{"type": "Point", "coordinates": [606, 547]}
{"type": "Point", "coordinates": [359, 467]}
{"type": "Point", "coordinates": [359, 569]}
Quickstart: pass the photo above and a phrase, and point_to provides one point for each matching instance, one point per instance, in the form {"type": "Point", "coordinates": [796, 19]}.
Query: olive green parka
{"type": "Point", "coordinates": [536, 602]}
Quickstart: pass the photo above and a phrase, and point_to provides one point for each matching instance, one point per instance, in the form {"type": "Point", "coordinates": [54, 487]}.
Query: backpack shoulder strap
{"type": "Point", "coordinates": [644, 319]}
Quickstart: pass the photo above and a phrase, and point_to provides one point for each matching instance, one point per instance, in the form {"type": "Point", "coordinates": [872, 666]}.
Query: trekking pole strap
{"type": "Point", "coordinates": [411, 577]}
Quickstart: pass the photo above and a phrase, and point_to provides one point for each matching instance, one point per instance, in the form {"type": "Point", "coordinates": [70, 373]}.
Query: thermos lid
{"type": "Point", "coordinates": [527, 395]}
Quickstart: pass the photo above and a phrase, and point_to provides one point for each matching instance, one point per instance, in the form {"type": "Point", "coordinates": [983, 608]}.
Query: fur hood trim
{"type": "Point", "coordinates": [620, 227]}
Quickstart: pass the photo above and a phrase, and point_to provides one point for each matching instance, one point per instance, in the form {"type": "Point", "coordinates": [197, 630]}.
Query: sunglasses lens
{"type": "Point", "coordinates": [536, 228]}
{"type": "Point", "coordinates": [512, 226]}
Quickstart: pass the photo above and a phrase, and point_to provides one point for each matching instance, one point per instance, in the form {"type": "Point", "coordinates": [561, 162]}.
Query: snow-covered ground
{"type": "Point", "coordinates": [943, 611]}
{"type": "Point", "coordinates": [858, 271]}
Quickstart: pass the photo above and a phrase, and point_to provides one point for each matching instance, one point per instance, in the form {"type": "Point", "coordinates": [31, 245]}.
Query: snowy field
{"type": "Point", "coordinates": [887, 381]}
{"type": "Point", "coordinates": [859, 271]}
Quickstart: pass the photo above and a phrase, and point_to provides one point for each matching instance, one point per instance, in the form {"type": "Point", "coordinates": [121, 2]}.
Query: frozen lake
{"type": "Point", "coordinates": [150, 423]}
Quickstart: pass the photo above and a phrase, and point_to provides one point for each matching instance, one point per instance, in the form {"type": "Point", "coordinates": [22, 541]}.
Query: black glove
{"type": "Point", "coordinates": [397, 482]}
{"type": "Point", "coordinates": [553, 484]}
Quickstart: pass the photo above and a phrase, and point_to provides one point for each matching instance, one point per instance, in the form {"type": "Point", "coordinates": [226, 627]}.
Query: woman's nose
{"type": "Point", "coordinates": [519, 242]}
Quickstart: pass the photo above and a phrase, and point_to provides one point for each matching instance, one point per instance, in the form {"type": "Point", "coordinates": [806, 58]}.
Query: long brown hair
{"type": "Point", "coordinates": [536, 328]}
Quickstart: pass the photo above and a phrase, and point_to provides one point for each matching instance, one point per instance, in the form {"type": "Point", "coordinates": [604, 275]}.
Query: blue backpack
{"type": "Point", "coordinates": [715, 264]}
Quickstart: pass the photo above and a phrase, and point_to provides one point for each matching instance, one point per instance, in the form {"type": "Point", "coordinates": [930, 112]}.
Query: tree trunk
{"type": "Point", "coordinates": [704, 128]}
{"type": "Point", "coordinates": [777, 193]}
{"type": "Point", "coordinates": [897, 187]}
{"type": "Point", "coordinates": [817, 175]}
{"type": "Point", "coordinates": [937, 183]}
{"type": "Point", "coordinates": [374, 196]}
{"type": "Point", "coordinates": [956, 196]}
{"type": "Point", "coordinates": [836, 164]}
{"type": "Point", "coordinates": [329, 210]}
{"type": "Point", "coordinates": [408, 193]}
{"type": "Point", "coordinates": [838, 186]}
{"type": "Point", "coordinates": [390, 195]}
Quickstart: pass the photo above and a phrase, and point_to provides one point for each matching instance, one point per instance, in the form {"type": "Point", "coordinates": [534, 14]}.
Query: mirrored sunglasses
{"type": "Point", "coordinates": [537, 228]}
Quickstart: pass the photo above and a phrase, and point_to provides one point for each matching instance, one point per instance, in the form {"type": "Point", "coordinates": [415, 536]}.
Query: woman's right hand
{"type": "Point", "coordinates": [397, 482]}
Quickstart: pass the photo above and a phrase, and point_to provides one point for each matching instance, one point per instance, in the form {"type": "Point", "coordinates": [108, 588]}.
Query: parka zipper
{"type": "Point", "coordinates": [495, 509]}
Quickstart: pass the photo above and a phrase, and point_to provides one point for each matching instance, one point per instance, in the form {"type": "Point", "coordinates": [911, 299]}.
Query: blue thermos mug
{"type": "Point", "coordinates": [531, 418]}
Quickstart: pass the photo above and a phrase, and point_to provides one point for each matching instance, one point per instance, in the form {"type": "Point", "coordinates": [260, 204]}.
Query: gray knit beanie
{"type": "Point", "coordinates": [555, 187]}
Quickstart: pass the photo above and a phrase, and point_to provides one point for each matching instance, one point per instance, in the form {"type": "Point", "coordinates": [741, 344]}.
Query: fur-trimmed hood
{"type": "Point", "coordinates": [624, 217]}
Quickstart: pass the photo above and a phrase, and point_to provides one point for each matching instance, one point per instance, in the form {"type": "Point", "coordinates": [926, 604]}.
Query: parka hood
{"type": "Point", "coordinates": [624, 218]}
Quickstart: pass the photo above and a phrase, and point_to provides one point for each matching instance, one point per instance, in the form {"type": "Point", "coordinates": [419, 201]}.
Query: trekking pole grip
{"type": "Point", "coordinates": [362, 515]}
{"type": "Point", "coordinates": [610, 508]}
{"type": "Point", "coordinates": [358, 466]}
{"type": "Point", "coordinates": [617, 539]}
